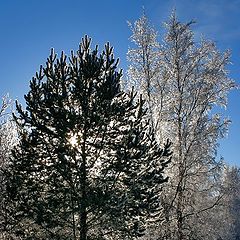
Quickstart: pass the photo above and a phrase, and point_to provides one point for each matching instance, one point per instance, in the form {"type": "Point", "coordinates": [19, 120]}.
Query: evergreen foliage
{"type": "Point", "coordinates": [87, 165]}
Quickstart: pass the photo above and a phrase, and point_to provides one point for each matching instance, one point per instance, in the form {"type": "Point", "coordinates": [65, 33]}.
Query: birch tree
{"type": "Point", "coordinates": [144, 62]}
{"type": "Point", "coordinates": [8, 138]}
{"type": "Point", "coordinates": [231, 204]}
{"type": "Point", "coordinates": [189, 82]}
{"type": "Point", "coordinates": [224, 222]}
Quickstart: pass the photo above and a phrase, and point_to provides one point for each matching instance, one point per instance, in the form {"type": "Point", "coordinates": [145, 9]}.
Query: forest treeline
{"type": "Point", "coordinates": [98, 155]}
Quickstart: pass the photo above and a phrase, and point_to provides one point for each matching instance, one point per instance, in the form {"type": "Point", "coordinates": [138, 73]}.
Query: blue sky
{"type": "Point", "coordinates": [30, 28]}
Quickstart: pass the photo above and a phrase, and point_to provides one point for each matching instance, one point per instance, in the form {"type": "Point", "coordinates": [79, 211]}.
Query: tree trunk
{"type": "Point", "coordinates": [180, 215]}
{"type": "Point", "coordinates": [83, 212]}
{"type": "Point", "coordinates": [83, 225]}
{"type": "Point", "coordinates": [180, 189]}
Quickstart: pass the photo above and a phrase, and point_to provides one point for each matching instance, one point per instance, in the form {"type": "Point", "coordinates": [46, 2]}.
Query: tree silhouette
{"type": "Point", "coordinates": [87, 165]}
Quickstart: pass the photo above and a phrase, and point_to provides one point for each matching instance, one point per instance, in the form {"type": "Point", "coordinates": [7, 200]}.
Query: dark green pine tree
{"type": "Point", "coordinates": [87, 165]}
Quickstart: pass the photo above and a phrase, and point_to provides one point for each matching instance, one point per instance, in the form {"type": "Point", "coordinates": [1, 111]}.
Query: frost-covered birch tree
{"type": "Point", "coordinates": [144, 62]}
{"type": "Point", "coordinates": [231, 205]}
{"type": "Point", "coordinates": [190, 81]}
{"type": "Point", "coordinates": [8, 138]}
{"type": "Point", "coordinates": [87, 165]}
{"type": "Point", "coordinates": [223, 222]}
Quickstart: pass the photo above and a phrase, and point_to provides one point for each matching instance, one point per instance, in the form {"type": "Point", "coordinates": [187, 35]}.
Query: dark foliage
{"type": "Point", "coordinates": [87, 165]}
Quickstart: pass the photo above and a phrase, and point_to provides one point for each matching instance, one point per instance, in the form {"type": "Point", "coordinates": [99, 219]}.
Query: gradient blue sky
{"type": "Point", "coordinates": [30, 28]}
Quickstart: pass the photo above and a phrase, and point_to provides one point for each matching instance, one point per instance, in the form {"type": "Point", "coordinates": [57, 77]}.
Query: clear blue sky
{"type": "Point", "coordinates": [29, 28]}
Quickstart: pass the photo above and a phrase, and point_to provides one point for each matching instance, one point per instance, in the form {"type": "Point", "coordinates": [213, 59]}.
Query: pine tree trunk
{"type": "Point", "coordinates": [83, 212]}
{"type": "Point", "coordinates": [83, 225]}
{"type": "Point", "coordinates": [73, 219]}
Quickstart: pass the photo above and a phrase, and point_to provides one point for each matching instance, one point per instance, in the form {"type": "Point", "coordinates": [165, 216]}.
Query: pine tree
{"type": "Point", "coordinates": [87, 165]}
